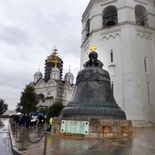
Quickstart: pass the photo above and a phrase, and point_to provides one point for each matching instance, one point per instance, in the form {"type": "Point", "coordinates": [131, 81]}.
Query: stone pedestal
{"type": "Point", "coordinates": [98, 128]}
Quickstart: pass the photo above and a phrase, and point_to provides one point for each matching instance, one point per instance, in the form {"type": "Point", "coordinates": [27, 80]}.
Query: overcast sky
{"type": "Point", "coordinates": [29, 31]}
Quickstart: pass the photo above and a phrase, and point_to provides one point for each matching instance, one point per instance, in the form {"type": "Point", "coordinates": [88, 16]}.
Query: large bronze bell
{"type": "Point", "coordinates": [93, 97]}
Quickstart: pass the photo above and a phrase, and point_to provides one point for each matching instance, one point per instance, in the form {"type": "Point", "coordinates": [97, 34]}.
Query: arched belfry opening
{"type": "Point", "coordinates": [141, 15]}
{"type": "Point", "coordinates": [110, 16]}
{"type": "Point", "coordinates": [87, 28]}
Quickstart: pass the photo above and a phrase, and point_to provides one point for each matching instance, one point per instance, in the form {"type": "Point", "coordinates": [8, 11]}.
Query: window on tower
{"type": "Point", "coordinates": [141, 15]}
{"type": "Point", "coordinates": [148, 92]}
{"type": "Point", "coordinates": [112, 87]}
{"type": "Point", "coordinates": [87, 28]}
{"type": "Point", "coordinates": [111, 56]}
{"type": "Point", "coordinates": [110, 16]}
{"type": "Point", "coordinates": [145, 64]}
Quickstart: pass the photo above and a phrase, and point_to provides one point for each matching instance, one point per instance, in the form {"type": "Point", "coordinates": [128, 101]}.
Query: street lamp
{"type": "Point", "coordinates": [21, 108]}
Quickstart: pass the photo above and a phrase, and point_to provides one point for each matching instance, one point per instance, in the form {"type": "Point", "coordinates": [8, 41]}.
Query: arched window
{"type": "Point", "coordinates": [141, 15]}
{"type": "Point", "coordinates": [110, 16]}
{"type": "Point", "coordinates": [111, 56]}
{"type": "Point", "coordinates": [112, 87]}
{"type": "Point", "coordinates": [145, 64]}
{"type": "Point", "coordinates": [87, 28]}
{"type": "Point", "coordinates": [148, 92]}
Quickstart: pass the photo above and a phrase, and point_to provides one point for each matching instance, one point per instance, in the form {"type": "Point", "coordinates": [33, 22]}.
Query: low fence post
{"type": "Point", "coordinates": [45, 143]}
{"type": "Point", "coordinates": [20, 135]}
{"type": "Point", "coordinates": [22, 141]}
{"type": "Point", "coordinates": [16, 131]}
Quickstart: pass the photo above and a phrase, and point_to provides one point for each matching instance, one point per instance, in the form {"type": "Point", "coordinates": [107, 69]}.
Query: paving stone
{"type": "Point", "coordinates": [141, 143]}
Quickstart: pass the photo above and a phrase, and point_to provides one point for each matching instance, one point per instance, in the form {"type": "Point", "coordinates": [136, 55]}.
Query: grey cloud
{"type": "Point", "coordinates": [62, 18]}
{"type": "Point", "coordinates": [12, 35]}
{"type": "Point", "coordinates": [11, 78]}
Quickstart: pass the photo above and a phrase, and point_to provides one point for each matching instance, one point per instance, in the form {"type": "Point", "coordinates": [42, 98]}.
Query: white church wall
{"type": "Point", "coordinates": [145, 42]}
{"type": "Point", "coordinates": [96, 17]}
{"type": "Point", "coordinates": [84, 54]}
{"type": "Point", "coordinates": [153, 47]}
{"type": "Point", "coordinates": [40, 90]}
{"type": "Point", "coordinates": [40, 84]}
{"type": "Point", "coordinates": [51, 83]}
{"type": "Point", "coordinates": [110, 43]}
{"type": "Point", "coordinates": [68, 91]}
{"type": "Point", "coordinates": [130, 82]}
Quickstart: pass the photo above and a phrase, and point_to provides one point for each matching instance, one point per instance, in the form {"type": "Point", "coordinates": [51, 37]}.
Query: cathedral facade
{"type": "Point", "coordinates": [124, 33]}
{"type": "Point", "coordinates": [51, 88]}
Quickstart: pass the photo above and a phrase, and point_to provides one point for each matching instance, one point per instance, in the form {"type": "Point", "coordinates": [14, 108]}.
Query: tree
{"type": "Point", "coordinates": [28, 100]}
{"type": "Point", "coordinates": [43, 110]}
{"type": "Point", "coordinates": [18, 107]}
{"type": "Point", "coordinates": [3, 106]}
{"type": "Point", "coordinates": [55, 110]}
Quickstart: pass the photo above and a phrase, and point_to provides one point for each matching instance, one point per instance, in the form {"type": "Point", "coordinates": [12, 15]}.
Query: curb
{"type": "Point", "coordinates": [13, 143]}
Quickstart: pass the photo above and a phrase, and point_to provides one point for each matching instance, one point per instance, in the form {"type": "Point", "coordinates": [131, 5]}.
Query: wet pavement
{"type": "Point", "coordinates": [141, 143]}
{"type": "Point", "coordinates": [5, 144]}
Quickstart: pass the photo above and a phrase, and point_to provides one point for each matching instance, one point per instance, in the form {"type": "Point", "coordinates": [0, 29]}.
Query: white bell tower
{"type": "Point", "coordinates": [124, 33]}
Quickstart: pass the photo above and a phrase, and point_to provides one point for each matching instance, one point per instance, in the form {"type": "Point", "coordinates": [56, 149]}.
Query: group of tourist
{"type": "Point", "coordinates": [29, 121]}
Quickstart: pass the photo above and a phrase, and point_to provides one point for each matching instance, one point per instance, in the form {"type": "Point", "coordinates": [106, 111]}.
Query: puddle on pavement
{"type": "Point", "coordinates": [5, 144]}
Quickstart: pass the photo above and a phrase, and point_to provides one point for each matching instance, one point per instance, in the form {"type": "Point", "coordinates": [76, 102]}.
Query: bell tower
{"type": "Point", "coordinates": [124, 32]}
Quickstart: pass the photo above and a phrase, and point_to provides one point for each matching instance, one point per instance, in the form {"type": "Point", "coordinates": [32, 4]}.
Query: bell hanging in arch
{"type": "Point", "coordinates": [92, 96]}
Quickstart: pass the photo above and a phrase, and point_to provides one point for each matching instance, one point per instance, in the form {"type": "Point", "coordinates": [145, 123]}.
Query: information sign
{"type": "Point", "coordinates": [77, 127]}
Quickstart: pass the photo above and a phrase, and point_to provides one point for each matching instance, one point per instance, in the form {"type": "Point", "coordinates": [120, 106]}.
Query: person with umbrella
{"type": "Point", "coordinates": [41, 119]}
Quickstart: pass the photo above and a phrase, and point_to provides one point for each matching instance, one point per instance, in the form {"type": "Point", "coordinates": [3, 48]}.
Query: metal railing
{"type": "Point", "coordinates": [21, 135]}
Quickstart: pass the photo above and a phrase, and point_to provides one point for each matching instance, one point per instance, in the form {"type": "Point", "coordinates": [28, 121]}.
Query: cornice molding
{"type": "Point", "coordinates": [143, 35]}
{"type": "Point", "coordinates": [116, 30]}
{"type": "Point", "coordinates": [143, 31]}
{"type": "Point", "coordinates": [145, 2]}
{"type": "Point", "coordinates": [111, 33]}
{"type": "Point", "coordinates": [108, 2]}
{"type": "Point", "coordinates": [129, 7]}
{"type": "Point", "coordinates": [85, 18]}
{"type": "Point", "coordinates": [141, 1]}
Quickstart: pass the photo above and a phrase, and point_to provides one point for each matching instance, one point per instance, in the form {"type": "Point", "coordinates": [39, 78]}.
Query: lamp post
{"type": "Point", "coordinates": [21, 108]}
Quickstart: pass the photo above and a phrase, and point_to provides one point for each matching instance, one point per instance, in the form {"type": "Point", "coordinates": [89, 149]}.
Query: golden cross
{"type": "Point", "coordinates": [56, 61]}
{"type": "Point", "coordinates": [93, 48]}
{"type": "Point", "coordinates": [54, 58]}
